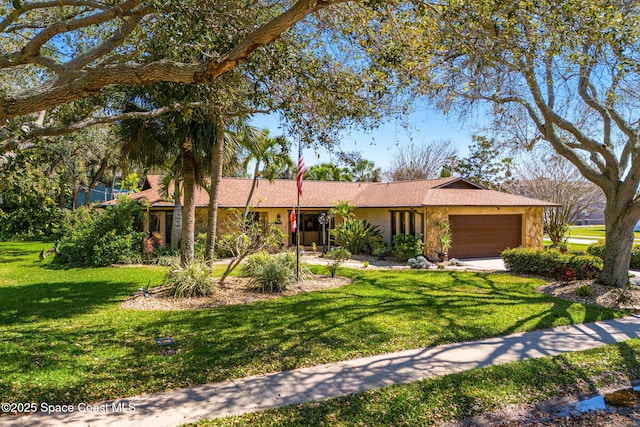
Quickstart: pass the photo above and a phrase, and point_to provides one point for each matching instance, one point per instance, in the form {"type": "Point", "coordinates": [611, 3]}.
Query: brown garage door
{"type": "Point", "coordinates": [476, 236]}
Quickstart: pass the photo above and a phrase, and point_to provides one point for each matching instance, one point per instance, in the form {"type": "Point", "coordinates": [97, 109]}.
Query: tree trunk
{"type": "Point", "coordinates": [95, 180]}
{"type": "Point", "coordinates": [75, 191]}
{"type": "Point", "coordinates": [176, 223]}
{"type": "Point", "coordinates": [189, 208]}
{"type": "Point", "coordinates": [256, 171]}
{"type": "Point", "coordinates": [63, 201]}
{"type": "Point", "coordinates": [216, 177]}
{"type": "Point", "coordinates": [619, 225]}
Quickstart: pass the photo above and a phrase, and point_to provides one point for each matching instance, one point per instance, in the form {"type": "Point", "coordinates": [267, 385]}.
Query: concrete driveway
{"type": "Point", "coordinates": [489, 264]}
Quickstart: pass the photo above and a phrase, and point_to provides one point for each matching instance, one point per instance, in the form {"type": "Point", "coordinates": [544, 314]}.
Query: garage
{"type": "Point", "coordinates": [478, 236]}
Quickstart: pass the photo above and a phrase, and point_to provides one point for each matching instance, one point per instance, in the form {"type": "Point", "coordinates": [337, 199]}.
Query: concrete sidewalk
{"type": "Point", "coordinates": [336, 379]}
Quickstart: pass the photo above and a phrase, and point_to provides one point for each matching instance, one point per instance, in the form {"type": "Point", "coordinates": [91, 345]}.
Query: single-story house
{"type": "Point", "coordinates": [482, 222]}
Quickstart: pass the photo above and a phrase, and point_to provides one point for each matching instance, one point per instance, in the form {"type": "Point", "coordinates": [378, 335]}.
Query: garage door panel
{"type": "Point", "coordinates": [484, 235]}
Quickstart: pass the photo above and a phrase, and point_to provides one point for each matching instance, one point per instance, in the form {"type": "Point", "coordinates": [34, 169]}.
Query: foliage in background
{"type": "Point", "coordinates": [406, 246]}
{"type": "Point", "coordinates": [106, 236]}
{"type": "Point", "coordinates": [328, 172]}
{"type": "Point", "coordinates": [424, 162]}
{"type": "Point", "coordinates": [28, 207]}
{"type": "Point", "coordinates": [338, 256]}
{"type": "Point", "coordinates": [353, 234]}
{"type": "Point", "coordinates": [274, 273]}
{"type": "Point", "coordinates": [485, 164]}
{"type": "Point", "coordinates": [552, 178]}
{"type": "Point", "coordinates": [550, 263]}
{"type": "Point", "coordinates": [131, 183]}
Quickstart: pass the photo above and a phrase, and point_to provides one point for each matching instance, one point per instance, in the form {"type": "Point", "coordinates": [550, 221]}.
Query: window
{"type": "Point", "coordinates": [406, 222]}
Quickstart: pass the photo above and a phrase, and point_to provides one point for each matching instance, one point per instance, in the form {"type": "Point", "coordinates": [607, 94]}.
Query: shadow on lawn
{"type": "Point", "coordinates": [309, 329]}
{"type": "Point", "coordinates": [46, 301]}
{"type": "Point", "coordinates": [14, 254]}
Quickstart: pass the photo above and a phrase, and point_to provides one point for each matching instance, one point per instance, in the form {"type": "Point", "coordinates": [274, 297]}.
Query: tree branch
{"type": "Point", "coordinates": [33, 47]}
{"type": "Point", "coordinates": [23, 141]}
{"type": "Point", "coordinates": [4, 24]}
{"type": "Point", "coordinates": [91, 79]}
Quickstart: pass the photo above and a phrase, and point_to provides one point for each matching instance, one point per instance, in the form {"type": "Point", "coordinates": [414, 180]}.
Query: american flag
{"type": "Point", "coordinates": [292, 219]}
{"type": "Point", "coordinates": [301, 170]}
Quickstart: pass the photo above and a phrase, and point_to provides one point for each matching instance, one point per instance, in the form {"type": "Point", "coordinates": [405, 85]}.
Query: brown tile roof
{"type": "Point", "coordinates": [324, 194]}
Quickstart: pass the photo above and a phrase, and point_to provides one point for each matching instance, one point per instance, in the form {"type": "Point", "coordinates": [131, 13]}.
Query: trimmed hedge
{"type": "Point", "coordinates": [551, 263]}
{"type": "Point", "coordinates": [597, 249]}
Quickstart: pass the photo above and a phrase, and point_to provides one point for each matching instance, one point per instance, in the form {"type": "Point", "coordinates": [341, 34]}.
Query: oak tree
{"type": "Point", "coordinates": [562, 74]}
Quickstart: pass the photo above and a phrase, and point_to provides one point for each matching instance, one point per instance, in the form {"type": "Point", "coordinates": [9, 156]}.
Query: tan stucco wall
{"type": "Point", "coordinates": [224, 214]}
{"type": "Point", "coordinates": [532, 230]}
{"type": "Point", "coordinates": [379, 217]}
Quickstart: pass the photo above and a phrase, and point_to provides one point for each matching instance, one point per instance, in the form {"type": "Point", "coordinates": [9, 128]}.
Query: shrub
{"type": "Point", "coordinates": [338, 255]}
{"type": "Point", "coordinates": [550, 263]}
{"type": "Point", "coordinates": [377, 246]}
{"type": "Point", "coordinates": [273, 273]}
{"type": "Point", "coordinates": [583, 291]}
{"type": "Point", "coordinates": [192, 280]}
{"type": "Point", "coordinates": [163, 255]}
{"type": "Point", "coordinates": [353, 234]}
{"type": "Point", "coordinates": [106, 236]}
{"type": "Point", "coordinates": [224, 243]}
{"type": "Point", "coordinates": [597, 249]}
{"type": "Point", "coordinates": [419, 262]}
{"type": "Point", "coordinates": [585, 266]}
{"type": "Point", "coordinates": [254, 263]}
{"type": "Point", "coordinates": [567, 274]}
{"type": "Point", "coordinates": [406, 246]}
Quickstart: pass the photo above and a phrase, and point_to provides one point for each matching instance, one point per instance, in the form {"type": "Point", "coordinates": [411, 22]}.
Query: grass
{"type": "Point", "coordinates": [593, 232]}
{"type": "Point", "coordinates": [66, 339]}
{"type": "Point", "coordinates": [577, 248]}
{"type": "Point", "coordinates": [457, 396]}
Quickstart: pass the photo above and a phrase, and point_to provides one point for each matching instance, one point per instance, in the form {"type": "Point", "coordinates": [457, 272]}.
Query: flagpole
{"type": "Point", "coordinates": [298, 219]}
{"type": "Point", "coordinates": [298, 241]}
{"type": "Point", "coordinates": [299, 178]}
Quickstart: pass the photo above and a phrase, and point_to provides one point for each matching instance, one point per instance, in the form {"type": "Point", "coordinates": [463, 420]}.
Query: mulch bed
{"type": "Point", "coordinates": [605, 296]}
{"type": "Point", "coordinates": [237, 290]}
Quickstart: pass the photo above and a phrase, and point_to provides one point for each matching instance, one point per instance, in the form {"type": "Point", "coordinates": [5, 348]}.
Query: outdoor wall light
{"type": "Point", "coordinates": [278, 219]}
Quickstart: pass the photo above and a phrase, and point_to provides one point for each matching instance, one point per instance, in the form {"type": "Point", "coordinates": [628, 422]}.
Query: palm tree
{"type": "Point", "coordinates": [173, 175]}
{"type": "Point", "coordinates": [328, 172]}
{"type": "Point", "coordinates": [153, 141]}
{"type": "Point", "coordinates": [262, 149]}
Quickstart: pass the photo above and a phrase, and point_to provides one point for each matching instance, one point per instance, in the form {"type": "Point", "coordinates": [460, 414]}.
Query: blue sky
{"type": "Point", "coordinates": [380, 145]}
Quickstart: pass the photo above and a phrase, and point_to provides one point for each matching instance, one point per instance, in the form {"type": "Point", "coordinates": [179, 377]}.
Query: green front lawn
{"type": "Point", "coordinates": [571, 247]}
{"type": "Point", "coordinates": [66, 339]}
{"type": "Point", "coordinates": [587, 231]}
{"type": "Point", "coordinates": [592, 232]}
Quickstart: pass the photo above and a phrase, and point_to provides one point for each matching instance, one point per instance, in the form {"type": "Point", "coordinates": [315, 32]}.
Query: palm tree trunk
{"type": "Point", "coordinates": [189, 208]}
{"type": "Point", "coordinates": [256, 171]}
{"type": "Point", "coordinates": [176, 223]}
{"type": "Point", "coordinates": [216, 177]}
